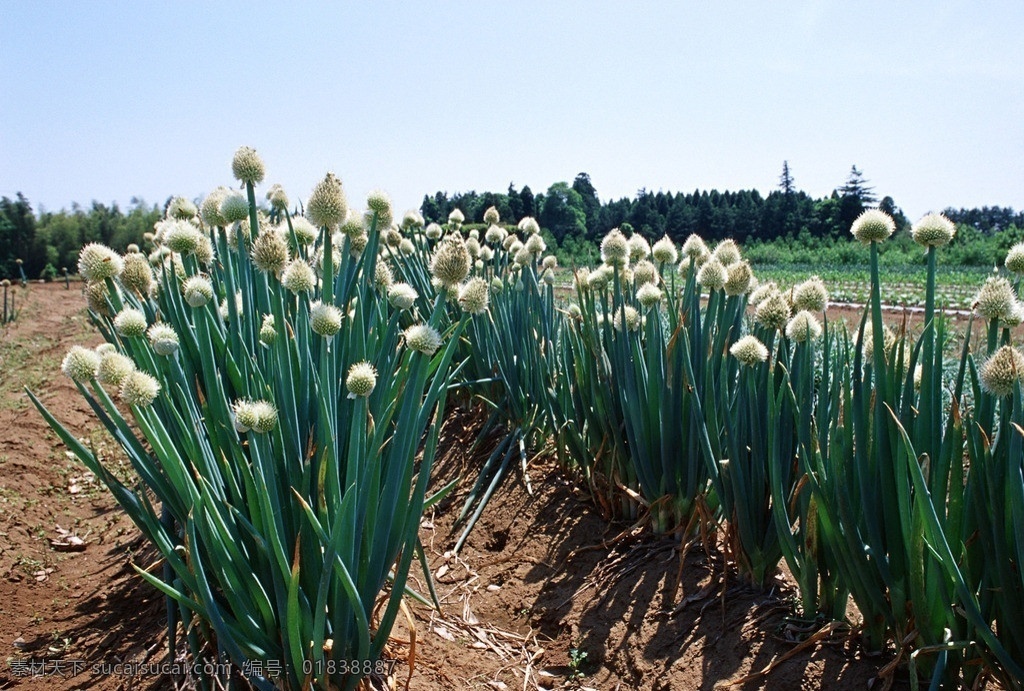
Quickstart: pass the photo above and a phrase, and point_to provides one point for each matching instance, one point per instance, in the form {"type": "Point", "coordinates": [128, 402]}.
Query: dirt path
{"type": "Point", "coordinates": [84, 607]}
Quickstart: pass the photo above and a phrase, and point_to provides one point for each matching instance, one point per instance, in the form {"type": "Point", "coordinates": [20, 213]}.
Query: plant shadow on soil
{"type": "Point", "coordinates": [120, 620]}
{"type": "Point", "coordinates": [548, 568]}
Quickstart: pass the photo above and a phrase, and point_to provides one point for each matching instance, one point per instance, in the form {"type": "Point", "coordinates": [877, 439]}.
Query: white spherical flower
{"type": "Point", "coordinates": [495, 235]}
{"type": "Point", "coordinates": [356, 245]}
{"type": "Point", "coordinates": [247, 166]}
{"type": "Point", "coordinates": [1016, 316]}
{"type": "Point", "coordinates": [412, 219]}
{"type": "Point", "coordinates": [204, 250]}
{"type": "Point", "coordinates": [198, 290]}
{"type": "Point", "coordinates": [450, 263]}
{"type": "Point", "coordinates": [137, 274]}
{"type": "Point", "coordinates": [712, 274]}
{"type": "Point", "coordinates": [361, 380]}
{"type": "Point", "coordinates": [98, 298]}
{"type": "Point", "coordinates": [130, 323]}
{"type": "Point", "coordinates": [352, 225]}
{"type": "Point", "coordinates": [739, 278]}
{"type": "Point", "coordinates": [210, 208]}
{"type": "Point", "coordinates": [325, 319]}
{"type": "Point", "coordinates": [523, 256]}
{"type": "Point", "coordinates": [378, 202]}
{"type": "Point", "coordinates": [639, 248]}
{"type": "Point", "coordinates": [255, 416]}
{"type": "Point", "coordinates": [665, 252]}
{"type": "Point", "coordinates": [535, 245]}
{"type": "Point", "coordinates": [298, 277]}
{"type": "Point", "coordinates": [873, 226]}
{"type": "Point", "coordinates": [550, 262]}
{"type": "Point", "coordinates": [1002, 371]}
{"type": "Point", "coordinates": [529, 225]}
{"type": "Point", "coordinates": [727, 252]}
{"type": "Point", "coordinates": [423, 338]}
{"type": "Point", "coordinates": [327, 206]}
{"type": "Point", "coordinates": [773, 312]}
{"type": "Point", "coordinates": [762, 291]}
{"type": "Point", "coordinates": [749, 351]}
{"type": "Point", "coordinates": [615, 248]}
{"type": "Point", "coordinates": [491, 216]}
{"type": "Point", "coordinates": [803, 327]}
{"type": "Point", "coordinates": [80, 363]}
{"type": "Point", "coordinates": [996, 299]}
{"type": "Point", "coordinates": [266, 417]}
{"type": "Point", "coordinates": [269, 253]}
{"type": "Point", "coordinates": [402, 296]}
{"type": "Point", "coordinates": [277, 197]}
{"type": "Point", "coordinates": [305, 232]}
{"type": "Point", "coordinates": [244, 413]}
{"type": "Point", "coordinates": [811, 295]}
{"type": "Point", "coordinates": [383, 276]}
{"type": "Point", "coordinates": [139, 389]}
{"type": "Point", "coordinates": [163, 339]}
{"type": "Point", "coordinates": [234, 207]}
{"type": "Point", "coordinates": [456, 218]}
{"type": "Point", "coordinates": [631, 316]}
{"type": "Point", "coordinates": [645, 272]}
{"type": "Point", "coordinates": [474, 296]}
{"type": "Point", "coordinates": [406, 247]}
{"type": "Point", "coordinates": [181, 208]}
{"type": "Point", "coordinates": [114, 367]}
{"type": "Point", "coordinates": [598, 278]}
{"type": "Point", "coordinates": [97, 262]}
{"type": "Point", "coordinates": [268, 334]}
{"type": "Point", "coordinates": [695, 248]}
{"type": "Point", "coordinates": [649, 295]}
{"type": "Point", "coordinates": [1015, 259]}
{"type": "Point", "coordinates": [433, 232]}
{"type": "Point", "coordinates": [933, 230]}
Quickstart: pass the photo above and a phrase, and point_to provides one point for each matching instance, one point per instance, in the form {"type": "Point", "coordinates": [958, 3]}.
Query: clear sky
{"type": "Point", "coordinates": [110, 100]}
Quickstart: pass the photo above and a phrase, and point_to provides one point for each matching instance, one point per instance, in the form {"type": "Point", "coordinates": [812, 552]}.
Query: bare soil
{"type": "Point", "coordinates": [545, 593]}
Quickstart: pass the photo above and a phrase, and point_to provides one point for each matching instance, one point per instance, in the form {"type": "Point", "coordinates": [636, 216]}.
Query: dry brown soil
{"type": "Point", "coordinates": [545, 594]}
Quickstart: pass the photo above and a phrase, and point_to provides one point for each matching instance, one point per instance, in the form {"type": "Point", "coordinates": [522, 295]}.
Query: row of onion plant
{"type": "Point", "coordinates": [280, 402]}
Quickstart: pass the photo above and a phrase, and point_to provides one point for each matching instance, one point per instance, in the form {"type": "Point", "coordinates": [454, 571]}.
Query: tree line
{"type": "Point", "coordinates": [785, 225]}
{"type": "Point", "coordinates": [48, 242]}
{"type": "Point", "coordinates": [574, 213]}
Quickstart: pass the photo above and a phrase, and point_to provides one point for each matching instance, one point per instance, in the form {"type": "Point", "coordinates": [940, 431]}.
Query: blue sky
{"type": "Point", "coordinates": [106, 100]}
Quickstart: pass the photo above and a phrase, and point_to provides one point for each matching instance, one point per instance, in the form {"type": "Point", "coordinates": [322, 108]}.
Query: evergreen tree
{"type": "Point", "coordinates": [529, 202]}
{"type": "Point", "coordinates": [857, 186]}
{"type": "Point", "coordinates": [591, 204]}
{"type": "Point", "coordinates": [17, 237]}
{"type": "Point", "coordinates": [786, 180]}
{"type": "Point", "coordinates": [515, 205]}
